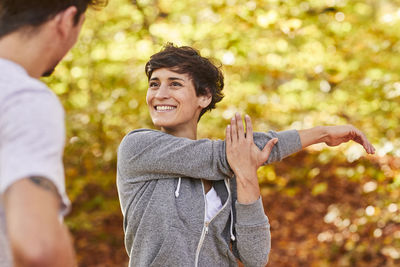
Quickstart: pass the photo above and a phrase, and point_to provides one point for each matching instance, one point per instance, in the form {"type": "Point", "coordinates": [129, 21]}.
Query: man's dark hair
{"type": "Point", "coordinates": [17, 14]}
{"type": "Point", "coordinates": [207, 78]}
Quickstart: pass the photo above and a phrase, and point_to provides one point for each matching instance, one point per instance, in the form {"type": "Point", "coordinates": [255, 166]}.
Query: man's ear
{"type": "Point", "coordinates": [65, 21]}
{"type": "Point", "coordinates": [205, 100]}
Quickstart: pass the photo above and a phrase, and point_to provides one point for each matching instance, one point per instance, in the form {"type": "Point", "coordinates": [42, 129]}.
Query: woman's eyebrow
{"type": "Point", "coordinates": [169, 78]}
{"type": "Point", "coordinates": [175, 78]}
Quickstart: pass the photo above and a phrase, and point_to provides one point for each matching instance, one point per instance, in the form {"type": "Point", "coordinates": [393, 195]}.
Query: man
{"type": "Point", "coordinates": [34, 36]}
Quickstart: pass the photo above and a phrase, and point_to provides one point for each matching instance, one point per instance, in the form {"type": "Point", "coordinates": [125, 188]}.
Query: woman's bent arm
{"type": "Point", "coordinates": [253, 240]}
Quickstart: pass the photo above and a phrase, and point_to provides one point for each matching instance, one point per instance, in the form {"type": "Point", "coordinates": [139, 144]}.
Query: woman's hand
{"type": "Point", "coordinates": [334, 136]}
{"type": "Point", "coordinates": [245, 158]}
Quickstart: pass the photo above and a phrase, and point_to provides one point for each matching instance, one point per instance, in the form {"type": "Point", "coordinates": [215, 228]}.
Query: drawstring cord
{"type": "Point", "coordinates": [178, 187]}
{"type": "Point", "coordinates": [233, 238]}
{"type": "Point", "coordinates": [231, 229]}
{"type": "Point", "coordinates": [232, 235]}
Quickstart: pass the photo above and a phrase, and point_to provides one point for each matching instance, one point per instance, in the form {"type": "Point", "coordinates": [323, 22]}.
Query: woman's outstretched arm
{"type": "Point", "coordinates": [147, 155]}
{"type": "Point", "coordinates": [165, 156]}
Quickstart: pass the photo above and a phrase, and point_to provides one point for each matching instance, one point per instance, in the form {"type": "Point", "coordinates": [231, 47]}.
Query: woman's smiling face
{"type": "Point", "coordinates": [172, 101]}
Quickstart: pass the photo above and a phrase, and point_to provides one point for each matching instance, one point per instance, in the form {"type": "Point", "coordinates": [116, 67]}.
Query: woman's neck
{"type": "Point", "coordinates": [190, 133]}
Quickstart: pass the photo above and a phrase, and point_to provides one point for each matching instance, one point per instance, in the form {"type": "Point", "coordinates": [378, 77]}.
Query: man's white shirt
{"type": "Point", "coordinates": [32, 136]}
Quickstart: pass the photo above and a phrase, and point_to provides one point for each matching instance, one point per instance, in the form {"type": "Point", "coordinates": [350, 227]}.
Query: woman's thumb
{"type": "Point", "coordinates": [268, 148]}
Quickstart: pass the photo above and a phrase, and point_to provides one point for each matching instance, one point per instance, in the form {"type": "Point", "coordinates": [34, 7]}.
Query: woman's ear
{"type": "Point", "coordinates": [205, 100]}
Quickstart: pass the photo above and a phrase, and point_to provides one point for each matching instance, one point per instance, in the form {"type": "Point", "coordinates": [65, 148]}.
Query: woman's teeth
{"type": "Point", "coordinates": [164, 108]}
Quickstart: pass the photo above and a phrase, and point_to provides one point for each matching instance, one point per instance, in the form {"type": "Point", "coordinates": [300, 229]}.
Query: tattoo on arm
{"type": "Point", "coordinates": [44, 183]}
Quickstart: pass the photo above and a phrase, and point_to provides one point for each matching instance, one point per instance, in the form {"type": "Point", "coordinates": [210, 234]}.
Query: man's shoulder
{"type": "Point", "coordinates": [28, 106]}
{"type": "Point", "coordinates": [14, 81]}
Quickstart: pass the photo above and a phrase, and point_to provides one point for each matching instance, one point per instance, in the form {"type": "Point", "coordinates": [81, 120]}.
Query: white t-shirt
{"type": "Point", "coordinates": [214, 204]}
{"type": "Point", "coordinates": [32, 136]}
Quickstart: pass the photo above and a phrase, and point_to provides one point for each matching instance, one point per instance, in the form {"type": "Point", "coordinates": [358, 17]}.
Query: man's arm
{"type": "Point", "coordinates": [36, 235]}
{"type": "Point", "coordinates": [32, 134]}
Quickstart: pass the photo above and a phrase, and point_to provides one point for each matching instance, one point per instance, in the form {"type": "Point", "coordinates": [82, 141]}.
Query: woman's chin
{"type": "Point", "coordinates": [162, 124]}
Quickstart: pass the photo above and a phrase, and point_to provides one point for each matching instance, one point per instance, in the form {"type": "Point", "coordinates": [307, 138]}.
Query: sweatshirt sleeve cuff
{"type": "Point", "coordinates": [292, 142]}
{"type": "Point", "coordinates": [250, 214]}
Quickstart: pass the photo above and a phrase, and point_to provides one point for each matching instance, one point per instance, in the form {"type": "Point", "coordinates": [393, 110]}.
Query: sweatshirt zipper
{"type": "Point", "coordinates": [205, 228]}
{"type": "Point", "coordinates": [206, 223]}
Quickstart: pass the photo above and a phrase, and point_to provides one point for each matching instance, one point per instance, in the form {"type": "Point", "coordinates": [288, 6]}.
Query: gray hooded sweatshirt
{"type": "Point", "coordinates": [163, 201]}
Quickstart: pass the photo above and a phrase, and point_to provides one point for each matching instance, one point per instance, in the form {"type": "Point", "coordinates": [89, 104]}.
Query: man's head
{"type": "Point", "coordinates": [18, 14]}
{"type": "Point", "coordinates": [207, 78]}
{"type": "Point", "coordinates": [42, 31]}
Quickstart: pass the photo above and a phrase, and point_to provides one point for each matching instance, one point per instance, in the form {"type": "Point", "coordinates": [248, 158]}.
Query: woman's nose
{"type": "Point", "coordinates": [162, 92]}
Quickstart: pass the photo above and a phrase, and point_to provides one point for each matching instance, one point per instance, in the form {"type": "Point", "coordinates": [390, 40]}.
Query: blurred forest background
{"type": "Point", "coordinates": [288, 64]}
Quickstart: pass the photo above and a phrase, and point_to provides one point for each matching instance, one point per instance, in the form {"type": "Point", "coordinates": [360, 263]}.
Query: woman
{"type": "Point", "coordinates": [189, 202]}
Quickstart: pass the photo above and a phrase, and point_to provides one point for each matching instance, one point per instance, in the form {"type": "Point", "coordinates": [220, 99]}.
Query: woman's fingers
{"type": "Point", "coordinates": [239, 125]}
{"type": "Point", "coordinates": [367, 145]}
{"type": "Point", "coordinates": [362, 140]}
{"type": "Point", "coordinates": [228, 137]}
{"type": "Point", "coordinates": [233, 127]}
{"type": "Point", "coordinates": [249, 128]}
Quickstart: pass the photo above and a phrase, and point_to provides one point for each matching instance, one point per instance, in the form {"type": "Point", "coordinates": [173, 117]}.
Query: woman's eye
{"type": "Point", "coordinates": [153, 84]}
{"type": "Point", "coordinates": [176, 84]}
